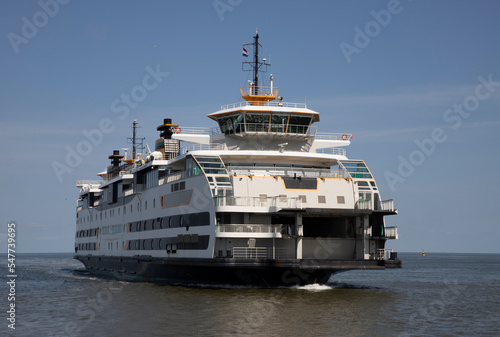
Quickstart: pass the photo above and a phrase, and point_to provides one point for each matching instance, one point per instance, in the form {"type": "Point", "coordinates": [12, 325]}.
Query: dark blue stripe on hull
{"type": "Point", "coordinates": [260, 272]}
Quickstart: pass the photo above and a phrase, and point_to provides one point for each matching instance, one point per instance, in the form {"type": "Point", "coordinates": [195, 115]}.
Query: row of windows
{"type": "Point", "coordinates": [111, 229]}
{"type": "Point", "coordinates": [86, 233]}
{"type": "Point", "coordinates": [185, 220]}
{"type": "Point", "coordinates": [112, 212]}
{"type": "Point", "coordinates": [171, 244]}
{"type": "Point", "coordinates": [86, 246]}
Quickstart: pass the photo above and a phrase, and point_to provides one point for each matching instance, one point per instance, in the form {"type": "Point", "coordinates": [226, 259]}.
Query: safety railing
{"type": "Point", "coordinates": [279, 201]}
{"type": "Point", "coordinates": [272, 104]}
{"type": "Point", "coordinates": [250, 228]}
{"type": "Point", "coordinates": [288, 171]}
{"type": "Point", "coordinates": [262, 253]}
{"type": "Point", "coordinates": [333, 136]}
{"type": "Point", "coordinates": [391, 232]}
{"type": "Point", "coordinates": [333, 150]}
{"type": "Point", "coordinates": [201, 147]}
{"type": "Point", "coordinates": [383, 254]}
{"type": "Point", "coordinates": [387, 205]}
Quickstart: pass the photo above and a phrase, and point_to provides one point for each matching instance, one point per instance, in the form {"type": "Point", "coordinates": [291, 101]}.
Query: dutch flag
{"type": "Point", "coordinates": [245, 53]}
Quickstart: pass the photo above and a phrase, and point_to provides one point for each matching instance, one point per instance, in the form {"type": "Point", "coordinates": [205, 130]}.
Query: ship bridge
{"type": "Point", "coordinates": [285, 120]}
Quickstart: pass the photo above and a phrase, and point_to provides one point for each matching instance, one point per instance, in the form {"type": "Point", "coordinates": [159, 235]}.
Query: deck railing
{"type": "Point", "coordinates": [383, 254]}
{"type": "Point", "coordinates": [250, 228]}
{"type": "Point", "coordinates": [279, 201]}
{"type": "Point", "coordinates": [275, 104]}
{"type": "Point", "coordinates": [288, 171]}
{"type": "Point", "coordinates": [262, 253]}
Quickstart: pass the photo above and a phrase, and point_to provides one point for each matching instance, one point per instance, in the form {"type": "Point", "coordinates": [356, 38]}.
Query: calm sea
{"type": "Point", "coordinates": [435, 295]}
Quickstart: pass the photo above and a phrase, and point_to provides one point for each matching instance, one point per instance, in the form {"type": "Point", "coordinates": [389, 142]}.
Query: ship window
{"type": "Point", "coordinates": [174, 248]}
{"type": "Point", "coordinates": [299, 124]}
{"type": "Point", "coordinates": [340, 199]}
{"type": "Point", "coordinates": [279, 123]}
{"type": "Point", "coordinates": [182, 185]}
{"type": "Point", "coordinates": [321, 199]}
{"type": "Point", "coordinates": [363, 183]}
{"type": "Point", "coordinates": [154, 203]}
{"type": "Point", "coordinates": [146, 205]}
{"type": "Point", "coordinates": [257, 122]}
{"type": "Point", "coordinates": [303, 198]}
{"type": "Point", "coordinates": [372, 183]}
{"type": "Point", "coordinates": [131, 209]}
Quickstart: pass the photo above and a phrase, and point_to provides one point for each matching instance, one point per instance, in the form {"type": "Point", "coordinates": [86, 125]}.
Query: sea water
{"type": "Point", "coordinates": [436, 295]}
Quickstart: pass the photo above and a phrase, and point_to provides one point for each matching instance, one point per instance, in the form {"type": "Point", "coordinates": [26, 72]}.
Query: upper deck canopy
{"type": "Point", "coordinates": [270, 118]}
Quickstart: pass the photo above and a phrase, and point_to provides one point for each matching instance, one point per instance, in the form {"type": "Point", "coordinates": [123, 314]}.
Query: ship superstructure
{"type": "Point", "coordinates": [264, 199]}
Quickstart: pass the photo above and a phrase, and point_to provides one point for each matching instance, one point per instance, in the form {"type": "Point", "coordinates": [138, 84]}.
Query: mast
{"type": "Point", "coordinates": [254, 93]}
{"type": "Point", "coordinates": [137, 143]}
{"type": "Point", "coordinates": [256, 59]}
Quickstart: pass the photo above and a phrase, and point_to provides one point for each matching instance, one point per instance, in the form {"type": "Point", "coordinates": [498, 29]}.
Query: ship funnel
{"type": "Point", "coordinates": [166, 145]}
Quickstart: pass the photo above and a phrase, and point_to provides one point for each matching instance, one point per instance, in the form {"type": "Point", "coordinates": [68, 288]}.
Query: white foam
{"type": "Point", "coordinates": [316, 287]}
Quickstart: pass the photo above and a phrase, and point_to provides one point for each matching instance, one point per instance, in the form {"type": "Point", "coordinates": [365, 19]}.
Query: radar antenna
{"type": "Point", "coordinates": [137, 143]}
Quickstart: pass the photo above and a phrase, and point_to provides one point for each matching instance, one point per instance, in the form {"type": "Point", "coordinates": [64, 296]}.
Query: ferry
{"type": "Point", "coordinates": [264, 199]}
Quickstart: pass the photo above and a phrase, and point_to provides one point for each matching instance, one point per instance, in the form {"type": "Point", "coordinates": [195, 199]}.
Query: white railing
{"type": "Point", "coordinates": [333, 136]}
{"type": "Point", "coordinates": [274, 104]}
{"type": "Point", "coordinates": [391, 232]}
{"type": "Point", "coordinates": [288, 171]}
{"type": "Point", "coordinates": [201, 147]}
{"type": "Point", "coordinates": [262, 253]}
{"type": "Point", "coordinates": [279, 201]}
{"type": "Point", "coordinates": [383, 254]}
{"type": "Point", "coordinates": [89, 183]}
{"type": "Point", "coordinates": [196, 130]}
{"type": "Point", "coordinates": [387, 205]}
{"type": "Point", "coordinates": [333, 150]}
{"type": "Point", "coordinates": [250, 228]}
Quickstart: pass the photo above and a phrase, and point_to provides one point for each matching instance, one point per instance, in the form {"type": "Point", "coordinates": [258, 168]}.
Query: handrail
{"type": "Point", "coordinates": [278, 201]}
{"type": "Point", "coordinates": [333, 150]}
{"type": "Point", "coordinates": [333, 136]}
{"type": "Point", "coordinates": [289, 171]}
{"type": "Point", "coordinates": [202, 147]}
{"type": "Point", "coordinates": [250, 228]}
{"type": "Point", "coordinates": [259, 91]}
{"type": "Point", "coordinates": [272, 104]}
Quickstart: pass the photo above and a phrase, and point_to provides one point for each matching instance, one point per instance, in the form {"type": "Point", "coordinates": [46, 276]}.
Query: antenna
{"type": "Point", "coordinates": [255, 65]}
{"type": "Point", "coordinates": [137, 143]}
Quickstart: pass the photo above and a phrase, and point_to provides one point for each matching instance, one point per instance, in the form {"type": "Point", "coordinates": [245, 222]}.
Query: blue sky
{"type": "Point", "coordinates": [420, 72]}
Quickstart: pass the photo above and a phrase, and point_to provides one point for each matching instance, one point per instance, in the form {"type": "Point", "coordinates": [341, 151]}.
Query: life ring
{"type": "Point", "coordinates": [177, 130]}
{"type": "Point", "coordinates": [344, 137]}
{"type": "Point", "coordinates": [79, 182]}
